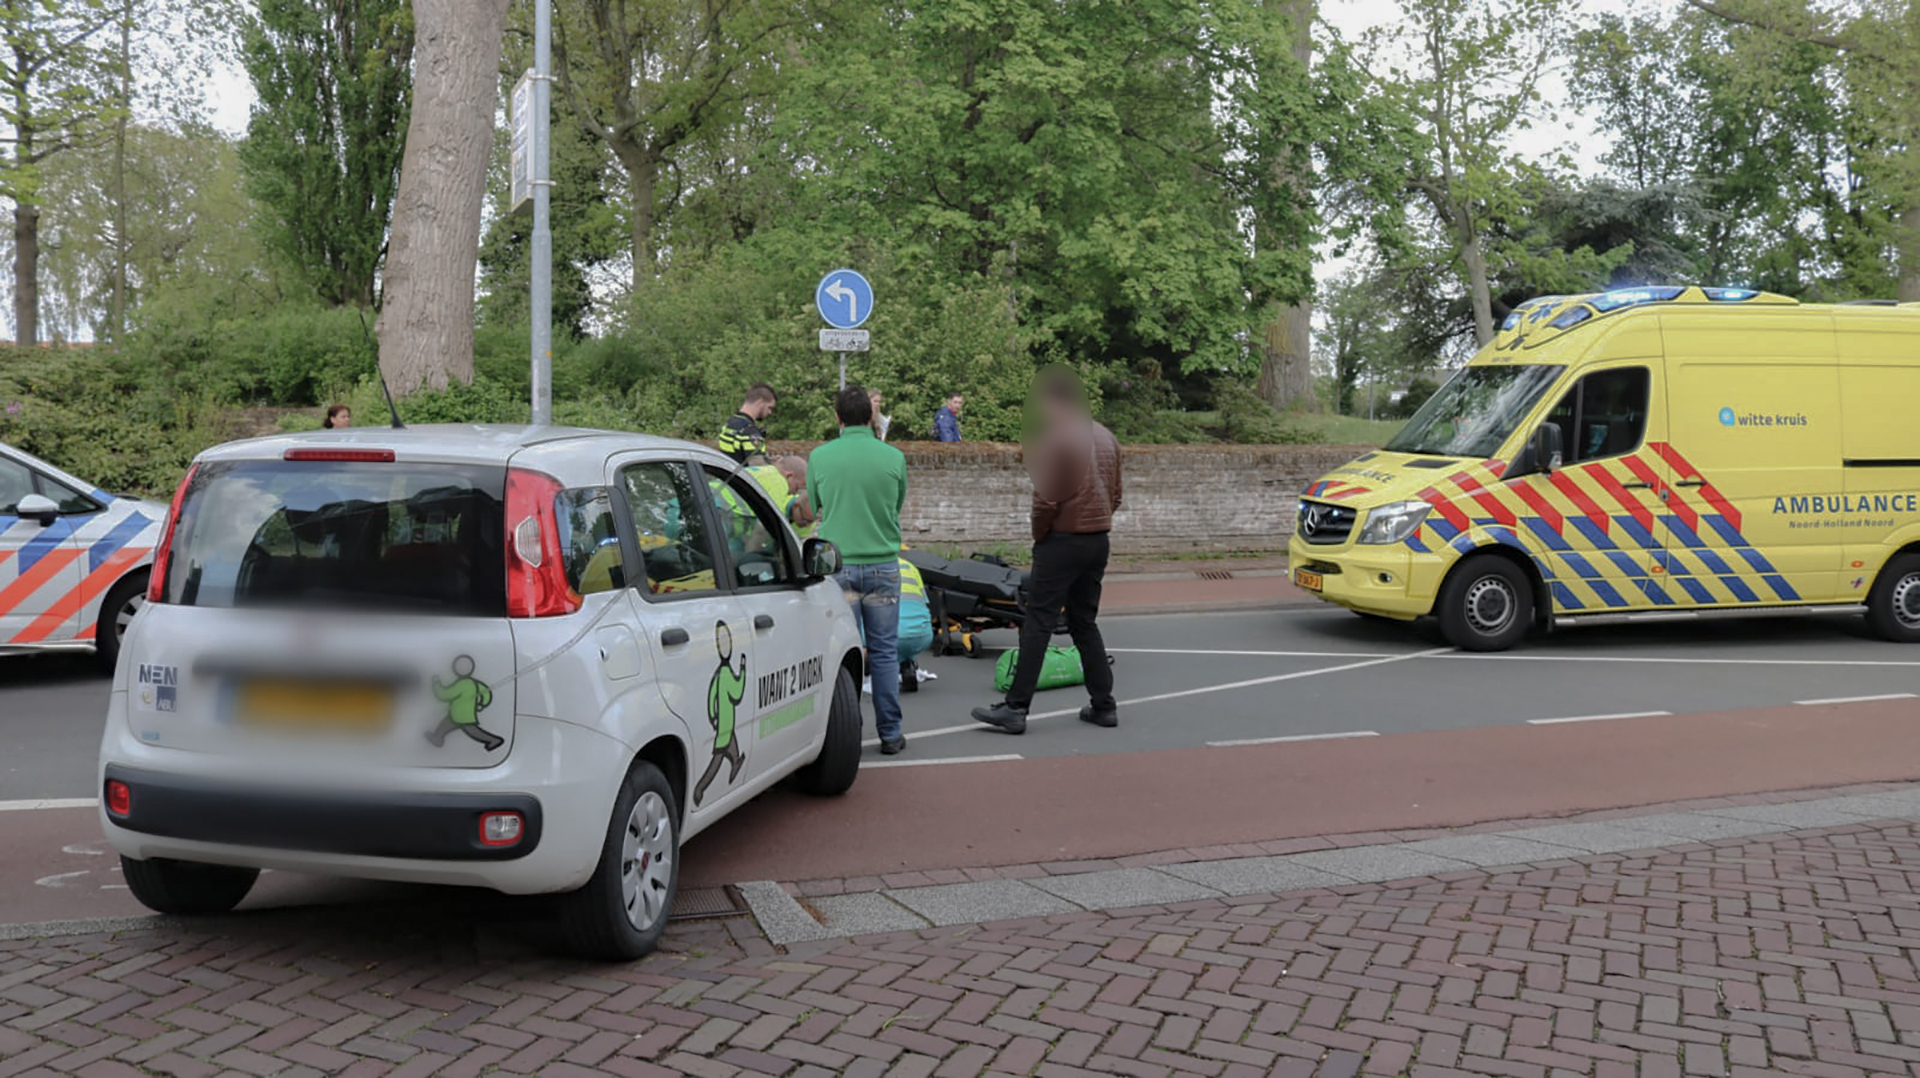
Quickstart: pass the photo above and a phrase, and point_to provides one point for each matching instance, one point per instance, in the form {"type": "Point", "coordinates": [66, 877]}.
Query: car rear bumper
{"type": "Point", "coordinates": [424, 826]}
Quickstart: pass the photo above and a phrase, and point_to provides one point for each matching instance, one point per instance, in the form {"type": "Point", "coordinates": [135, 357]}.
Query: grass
{"type": "Point", "coordinates": [1347, 429]}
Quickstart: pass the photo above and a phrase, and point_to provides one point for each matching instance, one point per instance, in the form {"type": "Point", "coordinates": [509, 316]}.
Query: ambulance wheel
{"type": "Point", "coordinates": [1893, 607]}
{"type": "Point", "coordinates": [832, 772]}
{"type": "Point", "coordinates": [1485, 605]}
{"type": "Point", "coordinates": [621, 911]}
{"type": "Point", "coordinates": [116, 613]}
{"type": "Point", "coordinates": [187, 888]}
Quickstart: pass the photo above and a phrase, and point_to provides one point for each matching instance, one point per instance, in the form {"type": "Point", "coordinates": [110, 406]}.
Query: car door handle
{"type": "Point", "coordinates": [1637, 484]}
{"type": "Point", "coordinates": [673, 638]}
{"type": "Point", "coordinates": [1696, 481]}
{"type": "Point", "coordinates": [762, 622]}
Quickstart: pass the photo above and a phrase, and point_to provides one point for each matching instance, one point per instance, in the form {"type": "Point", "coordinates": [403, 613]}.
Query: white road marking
{"type": "Point", "coordinates": [945, 760]}
{"type": "Point", "coordinates": [1600, 718]}
{"type": "Point", "coordinates": [1647, 659]}
{"type": "Point", "coordinates": [1258, 654]}
{"type": "Point", "coordinates": [48, 803]}
{"type": "Point", "coordinates": [1203, 691]}
{"type": "Point", "coordinates": [1293, 737]}
{"type": "Point", "coordinates": [59, 879]}
{"type": "Point", "coordinates": [1856, 699]}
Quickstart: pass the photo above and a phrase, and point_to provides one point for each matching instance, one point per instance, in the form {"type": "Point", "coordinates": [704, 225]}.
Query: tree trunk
{"type": "Point", "coordinates": [426, 322]}
{"type": "Point", "coordinates": [643, 180]}
{"type": "Point", "coordinates": [1909, 286]}
{"type": "Point", "coordinates": [1475, 261]}
{"type": "Point", "coordinates": [1286, 353]}
{"type": "Point", "coordinates": [26, 274]}
{"type": "Point", "coordinates": [117, 312]}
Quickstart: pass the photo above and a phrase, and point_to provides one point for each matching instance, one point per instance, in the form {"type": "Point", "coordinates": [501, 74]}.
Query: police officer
{"type": "Point", "coordinates": [741, 437]}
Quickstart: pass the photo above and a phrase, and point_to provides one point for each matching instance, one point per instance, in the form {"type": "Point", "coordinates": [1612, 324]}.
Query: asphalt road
{"type": "Point", "coordinates": [1304, 683]}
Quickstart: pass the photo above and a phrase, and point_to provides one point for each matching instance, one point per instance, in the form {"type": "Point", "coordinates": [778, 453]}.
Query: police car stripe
{"type": "Point", "coordinates": [50, 537]}
{"type": "Point", "coordinates": [73, 602]}
{"type": "Point", "coordinates": [118, 536]}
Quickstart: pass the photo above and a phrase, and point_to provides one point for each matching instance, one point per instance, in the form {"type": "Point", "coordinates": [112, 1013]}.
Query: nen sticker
{"type": "Point", "coordinates": [157, 687]}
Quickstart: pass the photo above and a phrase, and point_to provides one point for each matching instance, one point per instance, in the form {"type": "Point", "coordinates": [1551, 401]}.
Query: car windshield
{"type": "Point", "coordinates": [1472, 415]}
{"type": "Point", "coordinates": [384, 537]}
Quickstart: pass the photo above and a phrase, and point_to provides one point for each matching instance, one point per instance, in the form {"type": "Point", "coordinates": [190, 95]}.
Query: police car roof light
{"type": "Point", "coordinates": [382, 456]}
{"type": "Point", "coordinates": [536, 567]}
{"type": "Point", "coordinates": [157, 575]}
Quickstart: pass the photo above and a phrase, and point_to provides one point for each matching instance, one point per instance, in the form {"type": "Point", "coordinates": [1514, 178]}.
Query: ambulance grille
{"type": "Point", "coordinates": [1324, 524]}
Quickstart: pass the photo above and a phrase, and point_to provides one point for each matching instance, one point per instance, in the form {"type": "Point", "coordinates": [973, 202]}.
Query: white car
{"type": "Point", "coordinates": [73, 559]}
{"type": "Point", "coordinates": [533, 659]}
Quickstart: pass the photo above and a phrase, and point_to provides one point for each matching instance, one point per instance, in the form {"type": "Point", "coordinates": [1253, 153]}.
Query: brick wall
{"type": "Point", "coordinates": [1178, 498]}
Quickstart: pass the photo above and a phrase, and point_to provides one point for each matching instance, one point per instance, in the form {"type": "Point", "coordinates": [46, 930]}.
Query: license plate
{"type": "Point", "coordinates": [1309, 581]}
{"type": "Point", "coordinates": [315, 706]}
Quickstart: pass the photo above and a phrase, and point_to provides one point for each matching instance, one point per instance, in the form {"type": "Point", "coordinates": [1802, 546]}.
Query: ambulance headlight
{"type": "Point", "coordinates": [1392, 523]}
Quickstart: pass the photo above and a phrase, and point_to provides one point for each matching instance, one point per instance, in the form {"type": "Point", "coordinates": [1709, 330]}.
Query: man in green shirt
{"type": "Point", "coordinates": [856, 485]}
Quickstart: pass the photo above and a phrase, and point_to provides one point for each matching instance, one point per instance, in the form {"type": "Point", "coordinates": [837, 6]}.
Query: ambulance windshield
{"type": "Point", "coordinates": [1473, 414]}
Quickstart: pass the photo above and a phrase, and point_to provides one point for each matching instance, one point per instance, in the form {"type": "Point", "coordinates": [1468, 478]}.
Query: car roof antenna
{"type": "Point", "coordinates": [388, 393]}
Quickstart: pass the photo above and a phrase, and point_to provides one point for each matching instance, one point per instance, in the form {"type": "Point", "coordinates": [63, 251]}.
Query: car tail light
{"type": "Point", "coordinates": [119, 798]}
{"type": "Point", "coordinates": [501, 828]}
{"type": "Point", "coordinates": [377, 456]}
{"type": "Point", "coordinates": [157, 576]}
{"type": "Point", "coordinates": [536, 567]}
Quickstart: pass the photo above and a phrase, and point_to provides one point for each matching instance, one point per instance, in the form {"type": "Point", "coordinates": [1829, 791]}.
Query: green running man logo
{"type": "Point", "coordinates": [466, 697]}
{"type": "Point", "coordinates": [724, 694]}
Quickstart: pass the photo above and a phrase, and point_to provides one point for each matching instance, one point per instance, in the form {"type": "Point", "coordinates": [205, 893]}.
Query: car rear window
{"type": "Point", "coordinates": [391, 537]}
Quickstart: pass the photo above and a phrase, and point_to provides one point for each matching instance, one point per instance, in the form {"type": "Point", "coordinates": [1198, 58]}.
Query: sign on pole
{"type": "Point", "coordinates": [844, 299]}
{"type": "Point", "coordinates": [843, 340]}
{"type": "Point", "coordinates": [520, 120]}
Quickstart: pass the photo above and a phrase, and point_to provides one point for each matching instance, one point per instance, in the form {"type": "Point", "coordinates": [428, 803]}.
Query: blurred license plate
{"type": "Point", "coordinates": [323, 706]}
{"type": "Point", "coordinates": [1309, 581]}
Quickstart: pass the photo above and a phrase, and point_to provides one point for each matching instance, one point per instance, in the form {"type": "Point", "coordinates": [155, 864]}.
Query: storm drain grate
{"type": "Point", "coordinates": [1214, 574]}
{"type": "Point", "coordinates": [702, 903]}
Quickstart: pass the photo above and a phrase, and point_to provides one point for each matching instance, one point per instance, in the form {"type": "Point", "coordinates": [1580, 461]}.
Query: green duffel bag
{"type": "Point", "coordinates": [1060, 669]}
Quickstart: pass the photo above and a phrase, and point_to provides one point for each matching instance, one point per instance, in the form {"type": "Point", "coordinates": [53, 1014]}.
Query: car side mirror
{"type": "Point", "coordinates": [38, 507]}
{"type": "Point", "coordinates": [820, 558]}
{"type": "Point", "coordinates": [1547, 449]}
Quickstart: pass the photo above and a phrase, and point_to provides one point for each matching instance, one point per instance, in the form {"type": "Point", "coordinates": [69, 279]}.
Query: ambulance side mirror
{"type": "Point", "coordinates": [38, 507]}
{"type": "Point", "coordinates": [1545, 451]}
{"type": "Point", "coordinates": [819, 558]}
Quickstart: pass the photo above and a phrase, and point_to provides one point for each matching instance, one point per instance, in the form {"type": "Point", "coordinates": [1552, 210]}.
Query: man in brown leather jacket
{"type": "Point", "coordinates": [1075, 466]}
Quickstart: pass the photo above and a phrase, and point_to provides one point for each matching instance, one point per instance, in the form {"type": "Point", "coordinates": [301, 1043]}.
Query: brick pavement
{"type": "Point", "coordinates": [1779, 954]}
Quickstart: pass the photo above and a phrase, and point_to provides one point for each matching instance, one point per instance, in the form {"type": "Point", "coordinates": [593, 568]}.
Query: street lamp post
{"type": "Point", "coordinates": [542, 291]}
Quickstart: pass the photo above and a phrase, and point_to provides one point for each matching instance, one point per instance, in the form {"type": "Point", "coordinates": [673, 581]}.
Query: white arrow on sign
{"type": "Point", "coordinates": [847, 296]}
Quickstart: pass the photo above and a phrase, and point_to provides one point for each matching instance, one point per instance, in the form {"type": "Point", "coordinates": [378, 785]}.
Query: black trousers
{"type": "Point", "coordinates": [1067, 571]}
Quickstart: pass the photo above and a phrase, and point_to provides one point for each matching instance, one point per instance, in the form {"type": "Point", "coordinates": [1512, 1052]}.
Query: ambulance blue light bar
{"type": "Point", "coordinates": [1633, 297]}
{"type": "Point", "coordinates": [1729, 295]}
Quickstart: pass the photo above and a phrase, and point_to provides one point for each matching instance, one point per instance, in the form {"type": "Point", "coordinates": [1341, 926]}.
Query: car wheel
{"type": "Point", "coordinates": [832, 772]}
{"type": "Point", "coordinates": [1893, 607]}
{"type": "Point", "coordinates": [621, 911]}
{"type": "Point", "coordinates": [187, 888]}
{"type": "Point", "coordinates": [116, 613]}
{"type": "Point", "coordinates": [1486, 605]}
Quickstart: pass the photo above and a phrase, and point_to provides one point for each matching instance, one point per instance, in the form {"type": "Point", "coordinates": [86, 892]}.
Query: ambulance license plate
{"type": "Point", "coordinates": [1309, 581]}
{"type": "Point", "coordinates": [322, 706]}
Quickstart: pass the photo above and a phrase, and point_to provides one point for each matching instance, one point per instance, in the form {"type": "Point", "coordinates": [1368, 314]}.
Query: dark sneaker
{"type": "Point", "coordinates": [909, 678]}
{"type": "Point", "coordinates": [1003, 717]}
{"type": "Point", "coordinates": [893, 746]}
{"type": "Point", "coordinates": [1106, 719]}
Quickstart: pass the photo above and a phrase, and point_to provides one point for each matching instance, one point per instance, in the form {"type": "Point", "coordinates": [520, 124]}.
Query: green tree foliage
{"type": "Point", "coordinates": [322, 153]}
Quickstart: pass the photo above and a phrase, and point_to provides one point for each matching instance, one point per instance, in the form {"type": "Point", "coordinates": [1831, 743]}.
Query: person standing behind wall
{"type": "Point", "coordinates": [857, 485]}
{"type": "Point", "coordinates": [741, 437]}
{"type": "Point", "coordinates": [946, 421]}
{"type": "Point", "coordinates": [1075, 465]}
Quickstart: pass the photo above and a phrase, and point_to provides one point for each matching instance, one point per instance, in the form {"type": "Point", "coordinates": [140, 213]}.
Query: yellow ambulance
{"type": "Point", "coordinates": [1643, 450]}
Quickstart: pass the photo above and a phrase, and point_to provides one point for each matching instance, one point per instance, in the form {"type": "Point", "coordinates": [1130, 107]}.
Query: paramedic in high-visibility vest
{"type": "Point", "coordinates": [1075, 466]}
{"type": "Point", "coordinates": [916, 625]}
{"type": "Point", "coordinates": [785, 481]}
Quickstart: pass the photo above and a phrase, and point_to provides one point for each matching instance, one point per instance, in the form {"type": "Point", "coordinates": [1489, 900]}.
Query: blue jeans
{"type": "Point", "coordinates": [874, 593]}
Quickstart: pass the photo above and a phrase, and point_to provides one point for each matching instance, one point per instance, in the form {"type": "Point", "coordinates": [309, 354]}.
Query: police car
{"type": "Point", "coordinates": [73, 559]}
{"type": "Point", "coordinates": [533, 659]}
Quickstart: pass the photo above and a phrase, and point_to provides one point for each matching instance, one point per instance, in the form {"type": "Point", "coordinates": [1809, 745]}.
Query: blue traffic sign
{"type": "Point", "coordinates": [844, 298]}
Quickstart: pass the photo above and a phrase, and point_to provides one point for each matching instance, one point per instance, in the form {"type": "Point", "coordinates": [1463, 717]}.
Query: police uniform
{"type": "Point", "coordinates": [741, 438]}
